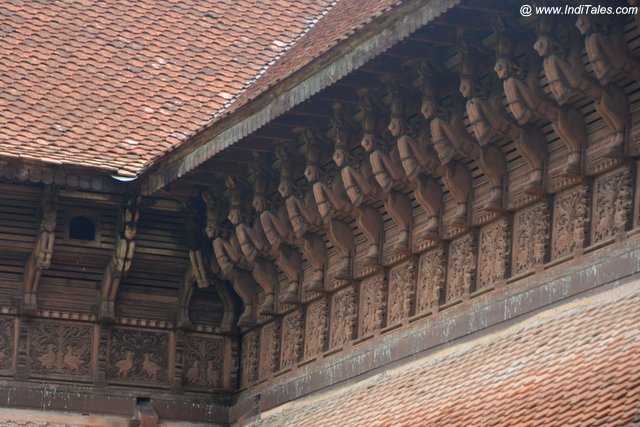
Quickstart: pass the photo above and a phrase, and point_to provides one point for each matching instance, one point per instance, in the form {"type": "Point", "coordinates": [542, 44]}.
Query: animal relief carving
{"type": "Point", "coordinates": [431, 280]}
{"type": "Point", "coordinates": [570, 215]}
{"type": "Point", "coordinates": [343, 317]}
{"type": "Point", "coordinates": [138, 356]}
{"type": "Point", "coordinates": [531, 238]}
{"type": "Point", "coordinates": [203, 361]}
{"type": "Point", "coordinates": [401, 292]}
{"type": "Point", "coordinates": [59, 349]}
{"type": "Point", "coordinates": [372, 304]}
{"type": "Point", "coordinates": [461, 267]}
{"type": "Point", "coordinates": [494, 253]}
{"type": "Point", "coordinates": [612, 205]}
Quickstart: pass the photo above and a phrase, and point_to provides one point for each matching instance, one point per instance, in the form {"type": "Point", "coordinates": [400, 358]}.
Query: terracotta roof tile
{"type": "Point", "coordinates": [573, 365]}
{"type": "Point", "coordinates": [100, 73]}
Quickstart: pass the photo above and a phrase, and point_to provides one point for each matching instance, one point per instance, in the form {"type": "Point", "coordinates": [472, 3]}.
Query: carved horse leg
{"type": "Point", "coordinates": [341, 236]}
{"type": "Point", "coordinates": [429, 194]}
{"type": "Point", "coordinates": [290, 263]}
{"type": "Point", "coordinates": [228, 307]}
{"type": "Point", "coordinates": [244, 286]}
{"type": "Point", "coordinates": [369, 221]}
{"type": "Point", "coordinates": [614, 108]}
{"type": "Point", "coordinates": [493, 163]}
{"type": "Point", "coordinates": [457, 179]}
{"type": "Point", "coordinates": [315, 251]}
{"type": "Point", "coordinates": [266, 276]}
{"type": "Point", "coordinates": [400, 210]}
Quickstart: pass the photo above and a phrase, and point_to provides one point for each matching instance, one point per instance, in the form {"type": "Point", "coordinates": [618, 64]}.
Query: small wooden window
{"type": "Point", "coordinates": [82, 228]}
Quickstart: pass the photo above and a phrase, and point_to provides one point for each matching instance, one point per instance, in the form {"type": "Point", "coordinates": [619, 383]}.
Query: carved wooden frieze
{"type": "Point", "coordinates": [249, 358]}
{"type": "Point", "coordinates": [462, 265]}
{"type": "Point", "coordinates": [531, 235]}
{"type": "Point", "coordinates": [60, 348]}
{"type": "Point", "coordinates": [570, 216]}
{"type": "Point", "coordinates": [343, 317]}
{"type": "Point", "coordinates": [612, 205]}
{"type": "Point", "coordinates": [203, 360]}
{"type": "Point", "coordinates": [7, 334]}
{"type": "Point", "coordinates": [430, 280]}
{"type": "Point", "coordinates": [401, 291]}
{"type": "Point", "coordinates": [292, 330]}
{"type": "Point", "coordinates": [372, 304]}
{"type": "Point", "coordinates": [269, 348]}
{"type": "Point", "coordinates": [138, 356]}
{"type": "Point", "coordinates": [316, 328]}
{"type": "Point", "coordinates": [494, 253]}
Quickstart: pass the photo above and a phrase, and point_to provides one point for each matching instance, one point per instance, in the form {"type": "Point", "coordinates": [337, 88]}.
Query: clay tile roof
{"type": "Point", "coordinates": [114, 85]}
{"type": "Point", "coordinates": [573, 365]}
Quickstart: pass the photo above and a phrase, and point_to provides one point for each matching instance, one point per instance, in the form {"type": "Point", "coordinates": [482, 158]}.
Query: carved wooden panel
{"type": "Point", "coordinates": [316, 328]}
{"type": "Point", "coordinates": [402, 282]}
{"type": "Point", "coordinates": [570, 216]}
{"type": "Point", "coordinates": [7, 335]}
{"type": "Point", "coordinates": [430, 280]}
{"type": "Point", "coordinates": [249, 358]}
{"type": "Point", "coordinates": [291, 339]}
{"type": "Point", "coordinates": [343, 316]}
{"type": "Point", "coordinates": [138, 356]}
{"type": "Point", "coordinates": [493, 256]}
{"type": "Point", "coordinates": [269, 348]}
{"type": "Point", "coordinates": [531, 234]}
{"type": "Point", "coordinates": [461, 267]}
{"type": "Point", "coordinates": [372, 303]}
{"type": "Point", "coordinates": [203, 360]}
{"type": "Point", "coordinates": [612, 205]}
{"type": "Point", "coordinates": [57, 348]}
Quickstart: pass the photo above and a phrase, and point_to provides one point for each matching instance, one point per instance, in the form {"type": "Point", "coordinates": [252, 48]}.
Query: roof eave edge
{"type": "Point", "coordinates": [401, 28]}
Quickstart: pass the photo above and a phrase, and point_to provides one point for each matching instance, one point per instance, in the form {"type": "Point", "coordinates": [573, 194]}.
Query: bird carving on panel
{"type": "Point", "coordinates": [48, 359]}
{"type": "Point", "coordinates": [193, 373]}
{"type": "Point", "coordinates": [213, 373]}
{"type": "Point", "coordinates": [150, 367]}
{"type": "Point", "coordinates": [125, 365]}
{"type": "Point", "coordinates": [70, 359]}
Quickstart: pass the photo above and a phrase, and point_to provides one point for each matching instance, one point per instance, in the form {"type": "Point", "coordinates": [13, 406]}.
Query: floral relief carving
{"type": "Point", "coordinates": [60, 348]}
{"type": "Point", "coordinates": [461, 267]}
{"type": "Point", "coordinates": [291, 339]}
{"type": "Point", "coordinates": [613, 205]}
{"type": "Point", "coordinates": [203, 361]}
{"type": "Point", "coordinates": [401, 291]}
{"type": "Point", "coordinates": [316, 333]}
{"type": "Point", "coordinates": [372, 304]}
{"type": "Point", "coordinates": [431, 280]}
{"type": "Point", "coordinates": [531, 238]}
{"type": "Point", "coordinates": [249, 359]}
{"type": "Point", "coordinates": [570, 221]}
{"type": "Point", "coordinates": [343, 317]}
{"type": "Point", "coordinates": [269, 348]}
{"type": "Point", "coordinates": [136, 355]}
{"type": "Point", "coordinates": [6, 343]}
{"type": "Point", "coordinates": [494, 252]}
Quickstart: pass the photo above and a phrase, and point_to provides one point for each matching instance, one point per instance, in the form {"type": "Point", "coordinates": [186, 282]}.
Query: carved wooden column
{"type": "Point", "coordinates": [122, 257]}
{"type": "Point", "coordinates": [42, 254]}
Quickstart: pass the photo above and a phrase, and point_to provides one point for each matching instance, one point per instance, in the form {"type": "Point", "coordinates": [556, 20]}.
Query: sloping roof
{"type": "Point", "coordinates": [114, 85]}
{"type": "Point", "coordinates": [576, 364]}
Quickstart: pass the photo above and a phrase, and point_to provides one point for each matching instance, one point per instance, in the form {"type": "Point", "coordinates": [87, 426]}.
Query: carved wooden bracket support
{"type": "Point", "coordinates": [522, 89]}
{"type": "Point", "coordinates": [42, 253]}
{"type": "Point", "coordinates": [566, 75]}
{"type": "Point", "coordinates": [122, 257]}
